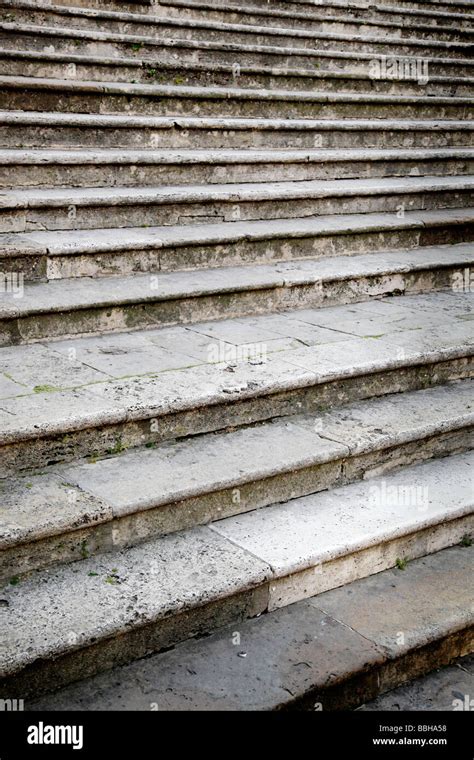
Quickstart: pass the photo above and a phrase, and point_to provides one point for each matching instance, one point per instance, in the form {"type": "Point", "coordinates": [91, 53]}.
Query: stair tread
{"type": "Point", "coordinates": [221, 93]}
{"type": "Point", "coordinates": [179, 572]}
{"type": "Point", "coordinates": [81, 293]}
{"type": "Point", "coordinates": [294, 13]}
{"type": "Point", "coordinates": [338, 635]}
{"type": "Point", "coordinates": [192, 67]}
{"type": "Point", "coordinates": [433, 327]}
{"type": "Point", "coordinates": [268, 31]}
{"type": "Point", "coordinates": [43, 156]}
{"type": "Point", "coordinates": [242, 191]}
{"type": "Point", "coordinates": [43, 118]}
{"type": "Point", "coordinates": [152, 19]}
{"type": "Point", "coordinates": [37, 505]}
{"type": "Point", "coordinates": [62, 242]}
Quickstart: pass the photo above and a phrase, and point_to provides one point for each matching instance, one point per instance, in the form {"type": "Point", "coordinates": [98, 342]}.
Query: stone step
{"type": "Point", "coordinates": [409, 80]}
{"type": "Point", "coordinates": [294, 17]}
{"type": "Point", "coordinates": [68, 308]}
{"type": "Point", "coordinates": [461, 15]}
{"type": "Point", "coordinates": [33, 209]}
{"type": "Point", "coordinates": [77, 130]}
{"type": "Point", "coordinates": [79, 253]}
{"type": "Point", "coordinates": [333, 651]}
{"type": "Point", "coordinates": [36, 94]}
{"type": "Point", "coordinates": [358, 8]}
{"type": "Point", "coordinates": [268, 41]}
{"type": "Point", "coordinates": [147, 598]}
{"type": "Point", "coordinates": [89, 396]}
{"type": "Point", "coordinates": [69, 513]}
{"type": "Point", "coordinates": [464, 6]}
{"type": "Point", "coordinates": [142, 168]}
{"type": "Point", "coordinates": [200, 27]}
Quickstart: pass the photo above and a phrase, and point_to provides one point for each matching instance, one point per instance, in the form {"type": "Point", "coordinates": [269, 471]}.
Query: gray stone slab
{"type": "Point", "coordinates": [86, 156]}
{"type": "Point", "coordinates": [421, 599]}
{"type": "Point", "coordinates": [42, 505]}
{"type": "Point", "coordinates": [199, 386]}
{"type": "Point", "coordinates": [251, 191]}
{"type": "Point", "coordinates": [63, 242]}
{"type": "Point", "coordinates": [193, 386]}
{"type": "Point", "coordinates": [203, 348]}
{"type": "Point", "coordinates": [396, 419]}
{"type": "Point", "coordinates": [277, 657]}
{"type": "Point", "coordinates": [120, 592]}
{"type": "Point", "coordinates": [167, 122]}
{"type": "Point", "coordinates": [123, 354]}
{"type": "Point", "coordinates": [9, 387]}
{"type": "Point", "coordinates": [193, 467]}
{"type": "Point", "coordinates": [443, 689]}
{"type": "Point", "coordinates": [53, 412]}
{"type": "Point", "coordinates": [356, 355]}
{"type": "Point", "coordinates": [36, 367]}
{"type": "Point", "coordinates": [273, 660]}
{"type": "Point", "coordinates": [312, 530]}
{"type": "Point", "coordinates": [437, 338]}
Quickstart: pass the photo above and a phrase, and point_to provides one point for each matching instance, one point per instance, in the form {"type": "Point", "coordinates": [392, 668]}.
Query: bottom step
{"type": "Point", "coordinates": [332, 651]}
{"type": "Point", "coordinates": [149, 597]}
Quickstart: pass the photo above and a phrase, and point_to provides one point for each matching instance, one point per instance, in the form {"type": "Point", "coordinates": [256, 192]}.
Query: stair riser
{"type": "Point", "coordinates": [344, 570]}
{"type": "Point", "coordinates": [91, 658]}
{"type": "Point", "coordinates": [179, 74]}
{"type": "Point", "coordinates": [368, 685]}
{"type": "Point", "coordinates": [232, 253]}
{"type": "Point", "coordinates": [129, 530]}
{"type": "Point", "coordinates": [39, 98]}
{"type": "Point", "coordinates": [293, 48]}
{"type": "Point", "coordinates": [108, 319]}
{"type": "Point", "coordinates": [142, 175]}
{"type": "Point", "coordinates": [85, 137]}
{"type": "Point", "coordinates": [72, 444]}
{"type": "Point", "coordinates": [98, 217]}
{"type": "Point", "coordinates": [166, 30]}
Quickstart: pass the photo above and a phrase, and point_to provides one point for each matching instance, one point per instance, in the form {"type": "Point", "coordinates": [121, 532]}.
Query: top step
{"type": "Point", "coordinates": [205, 14]}
{"type": "Point", "coordinates": [297, 6]}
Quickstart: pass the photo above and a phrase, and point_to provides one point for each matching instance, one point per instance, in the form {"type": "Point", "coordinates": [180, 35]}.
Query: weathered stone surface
{"type": "Point", "coordinates": [296, 652]}
{"type": "Point", "coordinates": [317, 529]}
{"type": "Point", "coordinates": [120, 593]}
{"type": "Point", "coordinates": [443, 689]}
{"type": "Point", "coordinates": [238, 251]}
{"type": "Point", "coordinates": [421, 597]}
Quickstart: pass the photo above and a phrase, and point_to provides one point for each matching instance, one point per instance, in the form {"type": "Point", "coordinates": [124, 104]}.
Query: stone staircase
{"type": "Point", "coordinates": [235, 350]}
